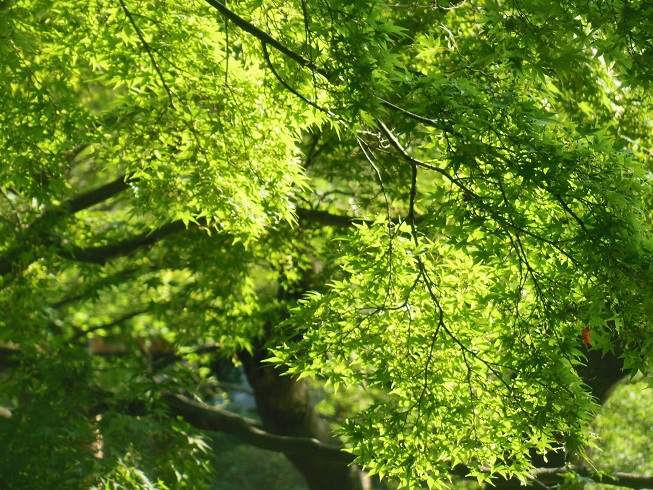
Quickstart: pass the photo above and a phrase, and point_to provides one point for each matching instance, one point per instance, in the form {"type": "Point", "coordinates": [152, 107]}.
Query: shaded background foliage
{"type": "Point", "coordinates": [442, 210]}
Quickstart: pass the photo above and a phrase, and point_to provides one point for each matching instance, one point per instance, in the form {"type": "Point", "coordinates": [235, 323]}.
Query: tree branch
{"type": "Point", "coordinates": [326, 218]}
{"type": "Point", "coordinates": [216, 420]}
{"type": "Point", "coordinates": [129, 246]}
{"type": "Point", "coordinates": [264, 37]}
{"type": "Point", "coordinates": [285, 84]}
{"type": "Point", "coordinates": [213, 419]}
{"type": "Point", "coordinates": [106, 326]}
{"type": "Point", "coordinates": [629, 480]}
{"type": "Point", "coordinates": [394, 142]}
{"type": "Point", "coordinates": [340, 220]}
{"type": "Point", "coordinates": [9, 357]}
{"type": "Point", "coordinates": [148, 50]}
{"type": "Point", "coordinates": [105, 253]}
{"type": "Point", "coordinates": [416, 117]}
{"type": "Point", "coordinates": [249, 432]}
{"type": "Point", "coordinates": [558, 475]}
{"type": "Point", "coordinates": [37, 233]}
{"type": "Point", "coordinates": [96, 196]}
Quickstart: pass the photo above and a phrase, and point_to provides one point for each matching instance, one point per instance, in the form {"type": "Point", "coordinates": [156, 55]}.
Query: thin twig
{"type": "Point", "coordinates": [148, 50]}
{"type": "Point", "coordinates": [106, 326]}
{"type": "Point", "coordinates": [266, 55]}
{"type": "Point", "coordinates": [264, 37]}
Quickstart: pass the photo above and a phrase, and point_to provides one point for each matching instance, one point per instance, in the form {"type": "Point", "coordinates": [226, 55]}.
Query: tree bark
{"type": "Point", "coordinates": [286, 408]}
{"type": "Point", "coordinates": [603, 372]}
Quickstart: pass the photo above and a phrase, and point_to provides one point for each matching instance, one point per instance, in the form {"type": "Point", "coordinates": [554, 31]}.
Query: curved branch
{"type": "Point", "coordinates": [416, 117]}
{"type": "Point", "coordinates": [249, 432]}
{"type": "Point", "coordinates": [213, 419]}
{"type": "Point", "coordinates": [394, 142]}
{"type": "Point", "coordinates": [285, 84]}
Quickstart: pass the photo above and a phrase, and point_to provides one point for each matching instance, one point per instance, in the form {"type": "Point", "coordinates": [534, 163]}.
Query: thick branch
{"type": "Point", "coordinates": [217, 420]}
{"type": "Point", "coordinates": [9, 357]}
{"type": "Point", "coordinates": [129, 246]}
{"type": "Point", "coordinates": [206, 418]}
{"type": "Point", "coordinates": [629, 480]}
{"type": "Point", "coordinates": [124, 248]}
{"type": "Point", "coordinates": [340, 220]}
{"type": "Point", "coordinates": [38, 232]}
{"type": "Point", "coordinates": [96, 196]}
{"type": "Point", "coordinates": [554, 476]}
{"type": "Point", "coordinates": [326, 218]}
{"type": "Point", "coordinates": [249, 432]}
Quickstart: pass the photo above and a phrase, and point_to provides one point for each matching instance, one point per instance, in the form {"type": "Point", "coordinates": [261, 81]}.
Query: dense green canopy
{"type": "Point", "coordinates": [442, 209]}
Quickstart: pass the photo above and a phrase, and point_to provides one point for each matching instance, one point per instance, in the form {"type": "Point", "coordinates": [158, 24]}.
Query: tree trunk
{"type": "Point", "coordinates": [286, 408]}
